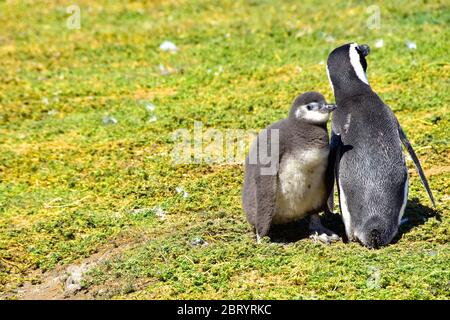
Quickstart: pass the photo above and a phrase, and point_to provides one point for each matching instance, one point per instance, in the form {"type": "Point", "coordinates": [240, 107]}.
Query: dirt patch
{"type": "Point", "coordinates": [65, 282]}
{"type": "Point", "coordinates": [437, 171]}
{"type": "Point", "coordinates": [154, 93]}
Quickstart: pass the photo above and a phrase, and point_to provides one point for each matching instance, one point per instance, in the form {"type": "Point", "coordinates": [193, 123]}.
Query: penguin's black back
{"type": "Point", "coordinates": [372, 168]}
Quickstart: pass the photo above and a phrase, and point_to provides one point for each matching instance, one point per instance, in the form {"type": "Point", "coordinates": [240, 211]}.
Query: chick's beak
{"type": "Point", "coordinates": [330, 107]}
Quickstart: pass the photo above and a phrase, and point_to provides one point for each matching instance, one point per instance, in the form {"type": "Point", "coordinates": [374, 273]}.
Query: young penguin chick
{"type": "Point", "coordinates": [286, 172]}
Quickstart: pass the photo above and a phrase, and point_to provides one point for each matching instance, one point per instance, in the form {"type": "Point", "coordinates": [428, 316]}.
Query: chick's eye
{"type": "Point", "coordinates": [309, 107]}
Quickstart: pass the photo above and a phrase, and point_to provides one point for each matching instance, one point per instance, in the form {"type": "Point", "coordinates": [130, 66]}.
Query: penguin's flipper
{"type": "Point", "coordinates": [337, 147]}
{"type": "Point", "coordinates": [266, 178]}
{"type": "Point", "coordinates": [319, 233]}
{"type": "Point", "coordinates": [416, 161]}
{"type": "Point", "coordinates": [266, 189]}
{"type": "Point", "coordinates": [329, 178]}
{"type": "Point", "coordinates": [333, 168]}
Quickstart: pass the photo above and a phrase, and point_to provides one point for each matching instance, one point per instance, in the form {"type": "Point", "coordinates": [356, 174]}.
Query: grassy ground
{"type": "Point", "coordinates": [71, 185]}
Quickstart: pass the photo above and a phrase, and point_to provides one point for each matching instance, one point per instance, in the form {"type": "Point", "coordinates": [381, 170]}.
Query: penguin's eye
{"type": "Point", "coordinates": [312, 106]}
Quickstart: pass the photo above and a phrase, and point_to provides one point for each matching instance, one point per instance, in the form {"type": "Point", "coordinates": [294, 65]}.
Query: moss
{"type": "Point", "coordinates": [69, 183]}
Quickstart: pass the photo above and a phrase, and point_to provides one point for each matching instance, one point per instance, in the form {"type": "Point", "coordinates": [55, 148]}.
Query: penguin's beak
{"type": "Point", "coordinates": [330, 107]}
{"type": "Point", "coordinates": [365, 49]}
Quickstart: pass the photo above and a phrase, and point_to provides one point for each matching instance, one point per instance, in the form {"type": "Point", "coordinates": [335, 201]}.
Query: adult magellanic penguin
{"type": "Point", "coordinates": [370, 168]}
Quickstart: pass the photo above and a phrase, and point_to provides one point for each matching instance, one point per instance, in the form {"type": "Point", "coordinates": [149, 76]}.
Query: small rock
{"type": "Point", "coordinates": [101, 292]}
{"type": "Point", "coordinates": [379, 43]}
{"type": "Point", "coordinates": [168, 46]}
{"type": "Point", "coordinates": [160, 213]}
{"type": "Point", "coordinates": [150, 107]}
{"type": "Point", "coordinates": [411, 45]}
{"type": "Point", "coordinates": [109, 120]}
{"type": "Point", "coordinates": [152, 119]}
{"type": "Point", "coordinates": [321, 62]}
{"type": "Point", "coordinates": [198, 242]}
{"type": "Point", "coordinates": [52, 112]}
{"type": "Point", "coordinates": [74, 277]}
{"type": "Point", "coordinates": [182, 191]}
{"type": "Point", "coordinates": [330, 39]}
{"type": "Point", "coordinates": [45, 101]}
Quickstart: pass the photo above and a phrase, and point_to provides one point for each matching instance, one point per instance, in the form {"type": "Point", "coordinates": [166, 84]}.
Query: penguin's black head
{"type": "Point", "coordinates": [347, 66]}
{"type": "Point", "coordinates": [311, 107]}
{"type": "Point", "coordinates": [376, 232]}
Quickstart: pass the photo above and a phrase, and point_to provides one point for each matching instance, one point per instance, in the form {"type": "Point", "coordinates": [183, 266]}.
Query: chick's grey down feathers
{"type": "Point", "coordinates": [260, 191]}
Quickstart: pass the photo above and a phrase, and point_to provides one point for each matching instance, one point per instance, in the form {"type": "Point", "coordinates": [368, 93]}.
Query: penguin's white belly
{"type": "Point", "coordinates": [301, 184]}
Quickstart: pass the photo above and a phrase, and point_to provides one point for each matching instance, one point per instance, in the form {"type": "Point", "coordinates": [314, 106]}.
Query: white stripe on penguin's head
{"type": "Point", "coordinates": [356, 63]}
{"type": "Point", "coordinates": [329, 79]}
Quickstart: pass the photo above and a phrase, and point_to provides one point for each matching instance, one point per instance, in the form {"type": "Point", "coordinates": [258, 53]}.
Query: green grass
{"type": "Point", "coordinates": [70, 184]}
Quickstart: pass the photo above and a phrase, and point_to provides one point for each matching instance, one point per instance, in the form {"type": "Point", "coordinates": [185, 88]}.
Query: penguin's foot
{"type": "Point", "coordinates": [319, 233]}
{"type": "Point", "coordinates": [324, 237]}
